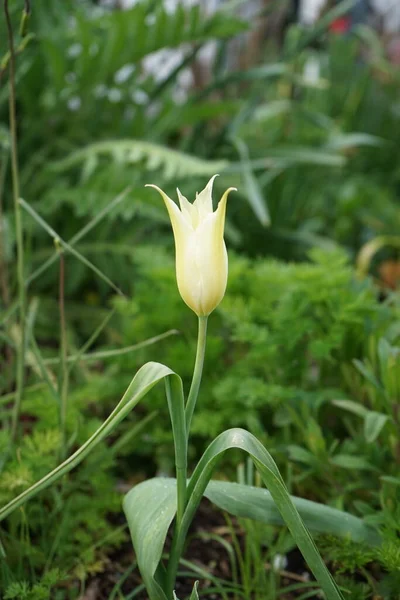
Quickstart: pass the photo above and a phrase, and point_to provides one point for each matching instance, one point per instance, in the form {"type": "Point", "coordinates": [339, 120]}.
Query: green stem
{"type": "Point", "coordinates": [4, 284]}
{"type": "Point", "coordinates": [177, 546]}
{"type": "Point", "coordinates": [18, 228]}
{"type": "Point", "coordinates": [177, 414]}
{"type": "Point", "coordinates": [176, 408]}
{"type": "Point", "coordinates": [63, 391]}
{"type": "Point", "coordinates": [197, 373]}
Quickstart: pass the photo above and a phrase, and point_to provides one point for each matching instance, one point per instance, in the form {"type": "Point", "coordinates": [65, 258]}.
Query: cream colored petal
{"type": "Point", "coordinates": [201, 257]}
{"type": "Point", "coordinates": [178, 221]}
{"type": "Point", "coordinates": [203, 201]}
{"type": "Point", "coordinates": [221, 209]}
{"type": "Point", "coordinates": [202, 269]}
{"type": "Point", "coordinates": [183, 234]}
{"type": "Point", "coordinates": [211, 263]}
{"type": "Point", "coordinates": [188, 276]}
{"type": "Point", "coordinates": [188, 210]}
{"type": "Point", "coordinates": [213, 259]}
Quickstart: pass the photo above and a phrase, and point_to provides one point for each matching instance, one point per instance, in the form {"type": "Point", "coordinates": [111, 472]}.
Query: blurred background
{"type": "Point", "coordinates": [297, 104]}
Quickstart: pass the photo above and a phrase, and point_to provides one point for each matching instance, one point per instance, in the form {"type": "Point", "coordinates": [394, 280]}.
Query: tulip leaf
{"type": "Point", "coordinates": [256, 503]}
{"type": "Point", "coordinates": [150, 509]}
{"type": "Point", "coordinates": [265, 465]}
{"type": "Point", "coordinates": [147, 377]}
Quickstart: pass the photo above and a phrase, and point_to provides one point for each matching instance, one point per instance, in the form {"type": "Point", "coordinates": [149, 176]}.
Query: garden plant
{"type": "Point", "coordinates": [245, 449]}
{"type": "Point", "coordinates": [201, 271]}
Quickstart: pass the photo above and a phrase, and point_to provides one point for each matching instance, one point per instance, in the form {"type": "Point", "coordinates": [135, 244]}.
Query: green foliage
{"type": "Point", "coordinates": [330, 99]}
{"type": "Point", "coordinates": [281, 331]}
{"type": "Point", "coordinates": [305, 355]}
{"type": "Point", "coordinates": [348, 556]}
{"type": "Point", "coordinates": [92, 61]}
{"type": "Point", "coordinates": [353, 590]}
{"type": "Point", "coordinates": [70, 525]}
{"type": "Point", "coordinates": [174, 164]}
{"type": "Point", "coordinates": [22, 590]}
{"type": "Point", "coordinates": [286, 337]}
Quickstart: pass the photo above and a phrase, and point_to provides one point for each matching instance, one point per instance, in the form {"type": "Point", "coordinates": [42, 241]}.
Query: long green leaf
{"type": "Point", "coordinates": [150, 508]}
{"type": "Point", "coordinates": [256, 503]}
{"type": "Point", "coordinates": [254, 192]}
{"type": "Point", "coordinates": [239, 438]}
{"type": "Point", "coordinates": [81, 233]}
{"type": "Point", "coordinates": [275, 506]}
{"type": "Point", "coordinates": [101, 354]}
{"type": "Point", "coordinates": [146, 378]}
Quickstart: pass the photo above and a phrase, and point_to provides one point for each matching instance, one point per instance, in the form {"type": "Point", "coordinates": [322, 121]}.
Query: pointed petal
{"type": "Point", "coordinates": [211, 258]}
{"type": "Point", "coordinates": [201, 258]}
{"type": "Point", "coordinates": [188, 211]}
{"type": "Point", "coordinates": [175, 214]}
{"type": "Point", "coordinates": [203, 201]}
{"type": "Point", "coordinates": [221, 209]}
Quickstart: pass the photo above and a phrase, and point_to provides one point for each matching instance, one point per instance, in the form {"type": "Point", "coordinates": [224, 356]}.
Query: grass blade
{"type": "Point", "coordinates": [58, 240]}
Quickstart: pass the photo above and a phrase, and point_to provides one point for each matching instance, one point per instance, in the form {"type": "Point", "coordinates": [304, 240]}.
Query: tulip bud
{"type": "Point", "coordinates": [201, 257]}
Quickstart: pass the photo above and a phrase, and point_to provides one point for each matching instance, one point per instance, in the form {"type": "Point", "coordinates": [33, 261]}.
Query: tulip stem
{"type": "Point", "coordinates": [197, 373]}
{"type": "Point", "coordinates": [177, 413]}
{"type": "Point", "coordinates": [181, 451]}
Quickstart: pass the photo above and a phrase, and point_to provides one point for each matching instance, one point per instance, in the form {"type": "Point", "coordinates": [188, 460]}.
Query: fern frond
{"type": "Point", "coordinates": [151, 29]}
{"type": "Point", "coordinates": [172, 163]}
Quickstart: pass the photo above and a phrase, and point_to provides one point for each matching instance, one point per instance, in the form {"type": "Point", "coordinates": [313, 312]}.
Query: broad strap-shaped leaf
{"type": "Point", "coordinates": [256, 503]}
{"type": "Point", "coordinates": [158, 497]}
{"type": "Point", "coordinates": [239, 438]}
{"type": "Point", "coordinates": [150, 508]}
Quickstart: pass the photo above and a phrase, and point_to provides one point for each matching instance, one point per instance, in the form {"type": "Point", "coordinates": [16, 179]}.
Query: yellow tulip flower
{"type": "Point", "coordinates": [201, 257]}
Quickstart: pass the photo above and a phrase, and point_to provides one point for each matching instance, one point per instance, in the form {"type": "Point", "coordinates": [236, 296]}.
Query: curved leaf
{"type": "Point", "coordinates": [151, 506]}
{"type": "Point", "coordinates": [146, 378]}
{"type": "Point", "coordinates": [250, 502]}
{"type": "Point", "coordinates": [239, 438]}
{"type": "Point", "coordinates": [257, 504]}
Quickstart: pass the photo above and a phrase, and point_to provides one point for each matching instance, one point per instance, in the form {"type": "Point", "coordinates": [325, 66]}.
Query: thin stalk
{"type": "Point", "coordinates": [197, 373]}
{"type": "Point", "coordinates": [63, 388]}
{"type": "Point", "coordinates": [81, 234]}
{"type": "Point", "coordinates": [180, 443]}
{"type": "Point", "coordinates": [4, 274]}
{"type": "Point", "coordinates": [177, 547]}
{"type": "Point", "coordinates": [181, 475]}
{"type": "Point", "coordinates": [176, 409]}
{"type": "Point", "coordinates": [18, 226]}
{"type": "Point", "coordinates": [5, 291]}
{"type": "Point", "coordinates": [81, 356]}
